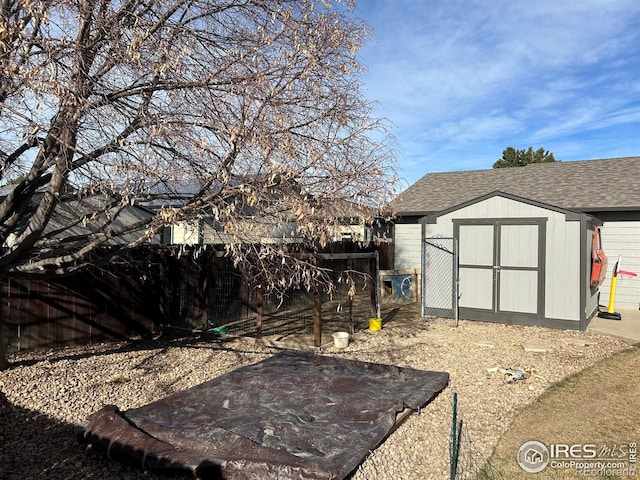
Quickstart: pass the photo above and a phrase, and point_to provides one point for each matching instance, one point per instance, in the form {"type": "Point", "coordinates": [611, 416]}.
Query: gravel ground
{"type": "Point", "coordinates": [46, 393]}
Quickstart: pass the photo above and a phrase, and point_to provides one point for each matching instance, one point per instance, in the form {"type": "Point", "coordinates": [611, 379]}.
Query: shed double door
{"type": "Point", "coordinates": [501, 269]}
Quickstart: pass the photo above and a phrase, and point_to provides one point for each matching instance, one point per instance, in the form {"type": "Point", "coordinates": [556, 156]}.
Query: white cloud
{"type": "Point", "coordinates": [470, 129]}
{"type": "Point", "coordinates": [461, 72]}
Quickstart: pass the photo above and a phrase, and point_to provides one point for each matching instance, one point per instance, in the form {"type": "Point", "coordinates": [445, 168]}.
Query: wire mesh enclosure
{"type": "Point", "coordinates": [440, 277]}
{"type": "Point", "coordinates": [356, 297]}
{"type": "Point", "coordinates": [347, 308]}
{"type": "Point", "coordinates": [290, 315]}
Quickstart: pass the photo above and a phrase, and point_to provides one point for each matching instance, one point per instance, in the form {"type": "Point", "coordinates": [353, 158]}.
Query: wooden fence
{"type": "Point", "coordinates": [139, 297]}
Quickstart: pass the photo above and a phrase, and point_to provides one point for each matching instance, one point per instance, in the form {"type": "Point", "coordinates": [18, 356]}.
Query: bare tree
{"type": "Point", "coordinates": [249, 111]}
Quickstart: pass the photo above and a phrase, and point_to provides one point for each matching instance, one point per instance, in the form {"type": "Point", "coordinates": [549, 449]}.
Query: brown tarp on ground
{"type": "Point", "coordinates": [294, 415]}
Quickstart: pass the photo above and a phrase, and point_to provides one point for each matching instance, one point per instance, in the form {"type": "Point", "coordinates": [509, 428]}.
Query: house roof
{"type": "Point", "coordinates": [584, 186]}
{"type": "Point", "coordinates": [67, 219]}
{"type": "Point", "coordinates": [70, 210]}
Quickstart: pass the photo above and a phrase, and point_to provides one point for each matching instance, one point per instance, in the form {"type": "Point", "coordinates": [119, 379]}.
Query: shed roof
{"type": "Point", "coordinates": [586, 186]}
{"type": "Point", "coordinates": [569, 214]}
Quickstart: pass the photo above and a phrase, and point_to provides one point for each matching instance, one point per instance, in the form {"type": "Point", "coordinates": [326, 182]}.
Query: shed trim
{"type": "Point", "coordinates": [570, 215]}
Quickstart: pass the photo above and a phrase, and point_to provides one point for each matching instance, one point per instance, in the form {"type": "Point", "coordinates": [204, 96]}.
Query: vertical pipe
{"type": "Point", "coordinates": [612, 294]}
{"type": "Point", "coordinates": [377, 285]}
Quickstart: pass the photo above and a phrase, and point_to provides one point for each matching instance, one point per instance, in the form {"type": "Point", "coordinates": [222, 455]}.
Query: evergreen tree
{"type": "Point", "coordinates": [519, 158]}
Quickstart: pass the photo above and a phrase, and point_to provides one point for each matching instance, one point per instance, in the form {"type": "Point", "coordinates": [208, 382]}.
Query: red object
{"type": "Point", "coordinates": [628, 274]}
{"type": "Point", "coordinates": [599, 261]}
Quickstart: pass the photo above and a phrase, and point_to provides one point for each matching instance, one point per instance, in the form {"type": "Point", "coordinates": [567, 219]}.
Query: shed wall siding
{"type": "Point", "coordinates": [562, 286]}
{"type": "Point", "coordinates": [407, 246]}
{"type": "Point", "coordinates": [622, 239]}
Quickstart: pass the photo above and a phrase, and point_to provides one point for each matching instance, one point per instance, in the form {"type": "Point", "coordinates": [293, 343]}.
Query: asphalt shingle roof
{"type": "Point", "coordinates": [586, 185]}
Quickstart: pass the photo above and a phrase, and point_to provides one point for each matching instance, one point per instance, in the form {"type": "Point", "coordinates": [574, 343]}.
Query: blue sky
{"type": "Point", "coordinates": [461, 80]}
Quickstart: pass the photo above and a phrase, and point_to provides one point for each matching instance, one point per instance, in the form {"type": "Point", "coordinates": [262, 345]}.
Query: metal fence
{"type": "Point", "coordinates": [440, 277]}
{"type": "Point", "coordinates": [347, 308]}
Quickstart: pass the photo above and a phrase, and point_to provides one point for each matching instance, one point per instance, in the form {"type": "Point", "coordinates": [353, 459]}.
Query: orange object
{"type": "Point", "coordinates": [599, 260]}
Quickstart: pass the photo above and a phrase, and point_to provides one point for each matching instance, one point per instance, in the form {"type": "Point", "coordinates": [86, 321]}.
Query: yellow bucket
{"type": "Point", "coordinates": [375, 324]}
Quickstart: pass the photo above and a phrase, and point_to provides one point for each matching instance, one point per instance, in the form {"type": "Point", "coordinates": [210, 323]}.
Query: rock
{"type": "Point", "coordinates": [55, 393]}
{"type": "Point", "coordinates": [486, 343]}
{"type": "Point", "coordinates": [536, 347]}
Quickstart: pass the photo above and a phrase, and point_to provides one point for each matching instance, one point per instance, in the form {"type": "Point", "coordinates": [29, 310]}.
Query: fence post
{"type": "Point", "coordinates": [373, 283]}
{"type": "Point", "coordinates": [317, 319]}
{"type": "Point", "coordinates": [259, 310]}
{"type": "Point", "coordinates": [453, 441]}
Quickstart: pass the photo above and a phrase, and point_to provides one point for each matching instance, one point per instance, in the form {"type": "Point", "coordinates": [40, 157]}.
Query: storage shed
{"type": "Point", "coordinates": [519, 261]}
{"type": "Point", "coordinates": [606, 189]}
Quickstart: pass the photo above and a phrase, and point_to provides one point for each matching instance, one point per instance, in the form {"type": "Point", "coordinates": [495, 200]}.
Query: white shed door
{"type": "Point", "coordinates": [501, 268]}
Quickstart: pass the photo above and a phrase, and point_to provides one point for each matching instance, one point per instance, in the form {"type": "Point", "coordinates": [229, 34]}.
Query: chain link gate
{"type": "Point", "coordinates": [440, 277]}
